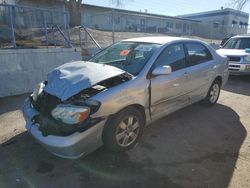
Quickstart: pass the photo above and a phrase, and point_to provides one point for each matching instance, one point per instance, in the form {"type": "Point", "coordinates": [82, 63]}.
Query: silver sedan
{"type": "Point", "coordinates": [111, 98]}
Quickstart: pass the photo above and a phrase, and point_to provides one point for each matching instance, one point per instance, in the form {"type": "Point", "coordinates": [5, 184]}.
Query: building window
{"type": "Point", "coordinates": [216, 25]}
{"type": "Point", "coordinates": [234, 23]}
{"type": "Point", "coordinates": [243, 25]}
{"type": "Point", "coordinates": [169, 24]}
{"type": "Point", "coordinates": [110, 19]}
{"type": "Point", "coordinates": [178, 25]}
{"type": "Point", "coordinates": [117, 20]}
{"type": "Point", "coordinates": [142, 22]}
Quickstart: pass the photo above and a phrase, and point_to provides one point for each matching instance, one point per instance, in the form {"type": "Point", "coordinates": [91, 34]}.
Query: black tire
{"type": "Point", "coordinates": [114, 128]}
{"type": "Point", "coordinates": [211, 99]}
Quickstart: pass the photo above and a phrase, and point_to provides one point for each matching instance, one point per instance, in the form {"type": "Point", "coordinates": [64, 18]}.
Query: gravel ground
{"type": "Point", "coordinates": [196, 147]}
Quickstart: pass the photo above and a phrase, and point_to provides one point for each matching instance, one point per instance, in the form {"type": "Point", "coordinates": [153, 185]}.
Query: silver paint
{"type": "Point", "coordinates": [168, 94]}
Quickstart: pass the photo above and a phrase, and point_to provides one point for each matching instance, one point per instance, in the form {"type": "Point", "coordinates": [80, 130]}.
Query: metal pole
{"type": "Point", "coordinates": [80, 37]}
{"type": "Point", "coordinates": [86, 39]}
{"type": "Point", "coordinates": [66, 26]}
{"type": "Point", "coordinates": [211, 33]}
{"type": "Point", "coordinates": [11, 9]}
{"type": "Point", "coordinates": [113, 27]}
{"type": "Point", "coordinates": [53, 36]}
{"type": "Point", "coordinates": [68, 29]}
{"type": "Point", "coordinates": [64, 16]}
{"type": "Point", "coordinates": [46, 31]}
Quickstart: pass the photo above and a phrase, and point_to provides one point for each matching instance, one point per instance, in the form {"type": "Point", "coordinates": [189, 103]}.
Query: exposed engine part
{"type": "Point", "coordinates": [87, 93]}
{"type": "Point", "coordinates": [45, 103]}
{"type": "Point", "coordinates": [101, 86]}
{"type": "Point", "coordinates": [111, 82]}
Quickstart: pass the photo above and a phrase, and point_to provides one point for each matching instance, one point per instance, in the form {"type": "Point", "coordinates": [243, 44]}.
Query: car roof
{"type": "Point", "coordinates": [241, 36]}
{"type": "Point", "coordinates": [159, 39]}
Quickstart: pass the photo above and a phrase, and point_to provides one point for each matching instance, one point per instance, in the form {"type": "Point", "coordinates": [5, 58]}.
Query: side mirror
{"type": "Point", "coordinates": [162, 70]}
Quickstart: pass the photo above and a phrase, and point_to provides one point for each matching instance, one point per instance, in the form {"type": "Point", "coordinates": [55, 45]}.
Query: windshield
{"type": "Point", "coordinates": [128, 56]}
{"type": "Point", "coordinates": [237, 43]}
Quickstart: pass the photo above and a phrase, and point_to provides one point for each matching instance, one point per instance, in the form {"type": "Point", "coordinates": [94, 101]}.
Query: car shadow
{"type": "Point", "coordinates": [12, 103]}
{"type": "Point", "coordinates": [238, 84]}
{"type": "Point", "coordinates": [194, 147]}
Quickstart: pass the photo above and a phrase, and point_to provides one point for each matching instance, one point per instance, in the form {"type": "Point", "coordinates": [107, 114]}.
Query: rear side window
{"type": "Point", "coordinates": [198, 53]}
{"type": "Point", "coordinates": [173, 56]}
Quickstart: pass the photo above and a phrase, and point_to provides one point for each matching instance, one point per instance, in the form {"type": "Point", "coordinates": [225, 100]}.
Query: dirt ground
{"type": "Point", "coordinates": [197, 147]}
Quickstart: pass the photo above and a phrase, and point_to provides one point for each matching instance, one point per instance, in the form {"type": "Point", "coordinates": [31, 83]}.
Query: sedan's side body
{"type": "Point", "coordinates": [164, 94]}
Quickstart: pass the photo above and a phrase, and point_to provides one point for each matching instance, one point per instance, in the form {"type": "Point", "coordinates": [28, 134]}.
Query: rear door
{"type": "Point", "coordinates": [200, 69]}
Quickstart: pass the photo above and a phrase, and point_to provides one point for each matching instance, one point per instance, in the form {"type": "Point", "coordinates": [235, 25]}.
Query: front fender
{"type": "Point", "coordinates": [119, 97]}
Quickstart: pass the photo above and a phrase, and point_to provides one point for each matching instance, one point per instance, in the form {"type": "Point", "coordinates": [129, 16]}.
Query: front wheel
{"type": "Point", "coordinates": [124, 130]}
{"type": "Point", "coordinates": [213, 93]}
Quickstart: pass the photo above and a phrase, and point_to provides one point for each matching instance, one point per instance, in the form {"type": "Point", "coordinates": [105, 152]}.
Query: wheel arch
{"type": "Point", "coordinates": [111, 118]}
{"type": "Point", "coordinates": [139, 107]}
{"type": "Point", "coordinates": [219, 79]}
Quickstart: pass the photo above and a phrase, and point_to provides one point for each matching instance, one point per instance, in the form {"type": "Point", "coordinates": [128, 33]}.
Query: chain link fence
{"type": "Point", "coordinates": [30, 27]}
{"type": "Point", "coordinates": [112, 26]}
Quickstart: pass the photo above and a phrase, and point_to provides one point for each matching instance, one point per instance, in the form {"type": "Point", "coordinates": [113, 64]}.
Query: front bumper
{"type": "Point", "coordinates": [239, 68]}
{"type": "Point", "coordinates": [72, 146]}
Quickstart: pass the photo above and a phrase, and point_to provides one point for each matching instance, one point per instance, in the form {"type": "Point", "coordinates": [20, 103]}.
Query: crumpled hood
{"type": "Point", "coordinates": [232, 52]}
{"type": "Point", "coordinates": [71, 78]}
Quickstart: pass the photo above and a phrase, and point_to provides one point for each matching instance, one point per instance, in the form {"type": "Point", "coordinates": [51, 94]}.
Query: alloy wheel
{"type": "Point", "coordinates": [127, 131]}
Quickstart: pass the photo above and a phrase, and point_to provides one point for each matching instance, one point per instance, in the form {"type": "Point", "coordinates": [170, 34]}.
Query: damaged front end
{"type": "Point", "coordinates": [63, 118]}
{"type": "Point", "coordinates": [60, 112]}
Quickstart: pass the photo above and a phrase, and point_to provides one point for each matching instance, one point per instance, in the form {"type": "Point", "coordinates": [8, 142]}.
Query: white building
{"type": "Point", "coordinates": [124, 20]}
{"type": "Point", "coordinates": [216, 24]}
{"type": "Point", "coordinates": [220, 23]}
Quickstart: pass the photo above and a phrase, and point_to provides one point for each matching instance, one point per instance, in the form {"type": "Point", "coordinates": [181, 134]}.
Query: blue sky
{"type": "Point", "coordinates": [169, 7]}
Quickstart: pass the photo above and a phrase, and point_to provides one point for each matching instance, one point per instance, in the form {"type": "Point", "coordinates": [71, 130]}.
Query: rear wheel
{"type": "Point", "coordinates": [213, 93]}
{"type": "Point", "coordinates": [124, 130]}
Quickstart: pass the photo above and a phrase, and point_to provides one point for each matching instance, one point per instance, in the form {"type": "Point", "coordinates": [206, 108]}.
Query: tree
{"type": "Point", "coordinates": [239, 4]}
{"type": "Point", "coordinates": [74, 7]}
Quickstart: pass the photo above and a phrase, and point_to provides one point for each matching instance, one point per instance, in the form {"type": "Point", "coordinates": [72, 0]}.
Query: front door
{"type": "Point", "coordinates": [168, 92]}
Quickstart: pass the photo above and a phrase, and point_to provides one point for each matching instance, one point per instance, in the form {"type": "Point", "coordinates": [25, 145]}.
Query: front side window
{"type": "Point", "coordinates": [128, 56]}
{"type": "Point", "coordinates": [198, 53]}
{"type": "Point", "coordinates": [173, 56]}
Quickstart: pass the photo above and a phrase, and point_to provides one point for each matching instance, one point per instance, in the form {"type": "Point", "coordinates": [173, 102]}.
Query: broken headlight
{"type": "Point", "coordinates": [38, 91]}
{"type": "Point", "coordinates": [70, 114]}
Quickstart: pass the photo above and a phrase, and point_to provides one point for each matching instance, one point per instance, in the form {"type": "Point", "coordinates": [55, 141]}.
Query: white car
{"type": "Point", "coordinates": [237, 49]}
